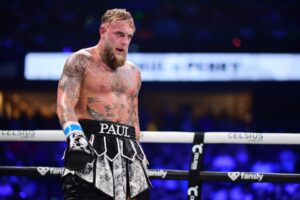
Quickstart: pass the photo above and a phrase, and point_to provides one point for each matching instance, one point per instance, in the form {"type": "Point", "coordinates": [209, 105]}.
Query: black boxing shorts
{"type": "Point", "coordinates": [119, 169]}
{"type": "Point", "coordinates": [77, 189]}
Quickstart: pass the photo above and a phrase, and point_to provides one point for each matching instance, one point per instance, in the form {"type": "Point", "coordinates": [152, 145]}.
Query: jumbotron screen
{"type": "Point", "coordinates": [173, 67]}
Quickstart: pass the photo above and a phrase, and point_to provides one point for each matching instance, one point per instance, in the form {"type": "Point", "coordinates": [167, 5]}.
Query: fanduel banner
{"type": "Point", "coordinates": [185, 66]}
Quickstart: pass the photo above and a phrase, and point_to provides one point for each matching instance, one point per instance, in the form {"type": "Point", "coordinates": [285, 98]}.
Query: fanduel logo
{"type": "Point", "coordinates": [197, 150]}
{"type": "Point", "coordinates": [43, 170]}
{"type": "Point", "coordinates": [159, 173]}
{"type": "Point", "coordinates": [193, 192]}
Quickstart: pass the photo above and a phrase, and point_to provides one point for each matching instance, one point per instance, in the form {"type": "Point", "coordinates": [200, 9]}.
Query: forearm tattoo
{"type": "Point", "coordinates": [65, 115]}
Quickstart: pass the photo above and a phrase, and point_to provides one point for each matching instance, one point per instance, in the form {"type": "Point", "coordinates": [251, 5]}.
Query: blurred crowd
{"type": "Point", "coordinates": [218, 157]}
{"type": "Point", "coordinates": [192, 25]}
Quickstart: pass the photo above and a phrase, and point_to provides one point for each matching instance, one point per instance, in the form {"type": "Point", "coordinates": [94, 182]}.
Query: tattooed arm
{"type": "Point", "coordinates": [135, 107]}
{"type": "Point", "coordinates": [69, 87]}
{"type": "Point", "coordinates": [79, 151]}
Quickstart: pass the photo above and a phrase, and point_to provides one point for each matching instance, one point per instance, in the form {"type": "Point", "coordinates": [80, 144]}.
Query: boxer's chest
{"type": "Point", "coordinates": [121, 81]}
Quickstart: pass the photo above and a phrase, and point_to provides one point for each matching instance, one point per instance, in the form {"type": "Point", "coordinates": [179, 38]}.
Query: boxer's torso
{"type": "Point", "coordinates": [107, 94]}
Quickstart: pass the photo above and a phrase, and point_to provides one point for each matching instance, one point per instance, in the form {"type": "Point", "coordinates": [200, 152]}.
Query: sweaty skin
{"type": "Point", "coordinates": [90, 89]}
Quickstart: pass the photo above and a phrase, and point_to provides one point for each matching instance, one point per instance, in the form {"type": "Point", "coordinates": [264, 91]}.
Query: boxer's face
{"type": "Point", "coordinates": [116, 38]}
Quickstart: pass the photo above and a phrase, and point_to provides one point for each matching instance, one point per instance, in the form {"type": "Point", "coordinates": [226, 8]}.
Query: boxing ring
{"type": "Point", "coordinates": [194, 176]}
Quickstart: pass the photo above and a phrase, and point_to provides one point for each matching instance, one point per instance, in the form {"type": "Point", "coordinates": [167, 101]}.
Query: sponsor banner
{"type": "Point", "coordinates": [192, 193]}
{"type": "Point", "coordinates": [51, 170]}
{"type": "Point", "coordinates": [185, 66]}
{"type": "Point", "coordinates": [157, 173]}
{"type": "Point", "coordinates": [194, 181]}
{"type": "Point", "coordinates": [249, 137]}
{"type": "Point", "coordinates": [21, 134]}
{"type": "Point", "coordinates": [245, 176]}
{"type": "Point", "coordinates": [197, 149]}
{"type": "Point", "coordinates": [43, 170]}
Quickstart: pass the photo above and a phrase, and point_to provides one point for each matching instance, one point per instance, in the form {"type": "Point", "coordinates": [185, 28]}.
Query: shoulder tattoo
{"type": "Point", "coordinates": [76, 65]}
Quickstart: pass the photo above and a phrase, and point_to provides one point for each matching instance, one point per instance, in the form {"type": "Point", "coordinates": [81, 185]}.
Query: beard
{"type": "Point", "coordinates": [108, 56]}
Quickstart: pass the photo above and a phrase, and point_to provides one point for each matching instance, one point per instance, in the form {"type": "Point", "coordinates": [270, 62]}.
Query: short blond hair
{"type": "Point", "coordinates": [117, 14]}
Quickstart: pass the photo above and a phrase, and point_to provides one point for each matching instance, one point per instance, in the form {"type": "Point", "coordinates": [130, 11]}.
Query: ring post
{"type": "Point", "coordinates": [194, 180]}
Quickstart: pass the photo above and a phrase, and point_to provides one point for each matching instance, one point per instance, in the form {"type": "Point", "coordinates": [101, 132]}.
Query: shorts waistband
{"type": "Point", "coordinates": [107, 128]}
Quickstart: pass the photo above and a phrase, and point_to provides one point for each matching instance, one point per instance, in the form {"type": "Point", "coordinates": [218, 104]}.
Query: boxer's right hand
{"type": "Point", "coordinates": [79, 151]}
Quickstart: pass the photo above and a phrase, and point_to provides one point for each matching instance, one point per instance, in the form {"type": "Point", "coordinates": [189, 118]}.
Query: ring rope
{"type": "Point", "coordinates": [164, 137]}
{"type": "Point", "coordinates": [234, 176]}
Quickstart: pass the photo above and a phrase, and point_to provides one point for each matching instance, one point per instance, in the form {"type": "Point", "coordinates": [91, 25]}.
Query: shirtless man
{"type": "Point", "coordinates": [97, 105]}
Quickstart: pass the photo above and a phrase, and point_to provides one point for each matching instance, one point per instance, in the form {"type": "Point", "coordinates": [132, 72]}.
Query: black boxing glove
{"type": "Point", "coordinates": [79, 151]}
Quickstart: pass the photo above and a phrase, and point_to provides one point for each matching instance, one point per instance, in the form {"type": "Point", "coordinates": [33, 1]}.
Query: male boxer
{"type": "Point", "coordinates": [97, 105]}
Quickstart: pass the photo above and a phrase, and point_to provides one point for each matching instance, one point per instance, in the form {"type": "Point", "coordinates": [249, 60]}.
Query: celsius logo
{"type": "Point", "coordinates": [197, 150]}
{"type": "Point", "coordinates": [198, 147]}
{"type": "Point", "coordinates": [193, 192]}
{"type": "Point", "coordinates": [25, 134]}
{"type": "Point", "coordinates": [250, 137]}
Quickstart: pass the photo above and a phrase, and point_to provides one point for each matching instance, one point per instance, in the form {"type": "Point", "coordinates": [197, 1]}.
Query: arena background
{"type": "Point", "coordinates": [189, 26]}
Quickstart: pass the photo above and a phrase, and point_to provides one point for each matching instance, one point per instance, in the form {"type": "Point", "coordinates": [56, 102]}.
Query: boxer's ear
{"type": "Point", "coordinates": [102, 29]}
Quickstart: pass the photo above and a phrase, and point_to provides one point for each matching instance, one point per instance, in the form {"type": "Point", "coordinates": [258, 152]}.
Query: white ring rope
{"type": "Point", "coordinates": [164, 137]}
